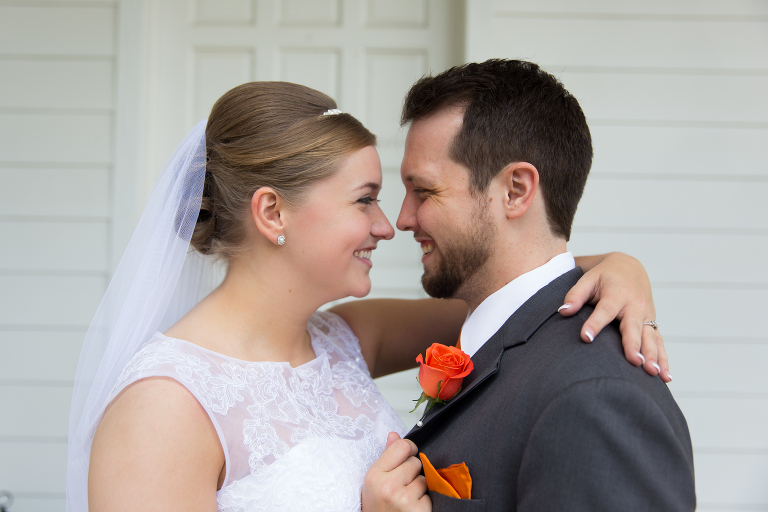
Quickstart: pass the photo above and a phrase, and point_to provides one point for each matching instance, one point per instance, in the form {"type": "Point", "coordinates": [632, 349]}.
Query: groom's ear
{"type": "Point", "coordinates": [520, 182]}
{"type": "Point", "coordinates": [268, 213]}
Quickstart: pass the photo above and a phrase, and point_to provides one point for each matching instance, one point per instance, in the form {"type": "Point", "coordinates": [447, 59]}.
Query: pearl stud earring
{"type": "Point", "coordinates": [280, 240]}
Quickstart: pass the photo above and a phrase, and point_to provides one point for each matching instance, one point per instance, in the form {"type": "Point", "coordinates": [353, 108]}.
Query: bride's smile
{"type": "Point", "coordinates": [332, 233]}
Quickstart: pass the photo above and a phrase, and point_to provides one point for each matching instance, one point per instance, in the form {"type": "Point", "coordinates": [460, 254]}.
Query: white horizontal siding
{"type": "Point", "coordinates": [730, 258]}
{"type": "Point", "coordinates": [33, 469]}
{"type": "Point", "coordinates": [69, 30]}
{"type": "Point", "coordinates": [715, 366]}
{"type": "Point", "coordinates": [56, 84]}
{"type": "Point", "coordinates": [50, 300]}
{"type": "Point", "coordinates": [40, 411]}
{"type": "Point", "coordinates": [667, 42]}
{"type": "Point", "coordinates": [39, 502]}
{"type": "Point", "coordinates": [726, 423]}
{"type": "Point", "coordinates": [56, 138]}
{"type": "Point", "coordinates": [55, 247]}
{"type": "Point", "coordinates": [56, 192]}
{"type": "Point", "coordinates": [607, 9]}
{"type": "Point", "coordinates": [674, 93]}
{"type": "Point", "coordinates": [644, 96]}
{"type": "Point", "coordinates": [40, 356]}
{"type": "Point", "coordinates": [57, 60]}
{"type": "Point", "coordinates": [679, 151]}
{"type": "Point", "coordinates": [731, 480]}
{"type": "Point", "coordinates": [651, 203]}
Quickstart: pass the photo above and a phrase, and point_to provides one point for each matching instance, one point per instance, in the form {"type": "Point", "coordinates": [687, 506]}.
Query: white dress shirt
{"type": "Point", "coordinates": [490, 315]}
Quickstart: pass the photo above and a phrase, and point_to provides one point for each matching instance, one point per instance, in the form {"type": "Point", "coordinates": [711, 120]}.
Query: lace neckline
{"type": "Point", "coordinates": [320, 352]}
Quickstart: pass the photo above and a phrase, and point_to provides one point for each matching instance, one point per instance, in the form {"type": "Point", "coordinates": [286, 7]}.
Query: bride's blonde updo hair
{"type": "Point", "coordinates": [267, 134]}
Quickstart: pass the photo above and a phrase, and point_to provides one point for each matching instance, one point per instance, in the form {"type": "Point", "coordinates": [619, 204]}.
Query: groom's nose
{"type": "Point", "coordinates": [406, 221]}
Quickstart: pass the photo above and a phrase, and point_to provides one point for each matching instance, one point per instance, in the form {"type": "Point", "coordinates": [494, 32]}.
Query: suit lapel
{"type": "Point", "coordinates": [516, 331]}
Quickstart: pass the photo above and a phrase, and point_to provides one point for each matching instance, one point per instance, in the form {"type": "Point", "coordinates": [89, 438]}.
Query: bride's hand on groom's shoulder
{"type": "Point", "coordinates": [619, 288]}
{"type": "Point", "coordinates": [394, 482]}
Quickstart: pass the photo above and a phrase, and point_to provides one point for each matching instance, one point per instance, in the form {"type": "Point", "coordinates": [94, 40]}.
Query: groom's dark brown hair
{"type": "Point", "coordinates": [513, 112]}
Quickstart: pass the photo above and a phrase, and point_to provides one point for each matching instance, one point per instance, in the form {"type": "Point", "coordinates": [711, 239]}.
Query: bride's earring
{"type": "Point", "coordinates": [280, 240]}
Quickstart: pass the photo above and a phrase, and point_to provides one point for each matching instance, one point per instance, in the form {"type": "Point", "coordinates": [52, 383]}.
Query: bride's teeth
{"type": "Point", "coordinates": [366, 255]}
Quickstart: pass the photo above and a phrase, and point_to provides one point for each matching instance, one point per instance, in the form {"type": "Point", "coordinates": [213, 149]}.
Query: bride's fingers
{"type": "Point", "coordinates": [663, 359]}
{"type": "Point", "coordinates": [417, 493]}
{"type": "Point", "coordinates": [409, 470]}
{"type": "Point", "coordinates": [418, 487]}
{"type": "Point", "coordinates": [577, 296]}
{"type": "Point", "coordinates": [395, 454]}
{"type": "Point", "coordinates": [424, 504]}
{"type": "Point", "coordinates": [604, 313]}
{"type": "Point", "coordinates": [391, 438]}
{"type": "Point", "coordinates": [631, 328]}
{"type": "Point", "coordinates": [650, 351]}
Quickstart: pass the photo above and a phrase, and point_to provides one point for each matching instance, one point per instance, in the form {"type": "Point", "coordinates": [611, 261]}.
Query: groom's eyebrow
{"type": "Point", "coordinates": [417, 180]}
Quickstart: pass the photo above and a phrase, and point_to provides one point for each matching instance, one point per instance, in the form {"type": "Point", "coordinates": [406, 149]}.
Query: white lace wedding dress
{"type": "Point", "coordinates": [294, 439]}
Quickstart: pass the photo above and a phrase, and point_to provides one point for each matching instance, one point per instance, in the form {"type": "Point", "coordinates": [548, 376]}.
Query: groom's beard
{"type": "Point", "coordinates": [461, 259]}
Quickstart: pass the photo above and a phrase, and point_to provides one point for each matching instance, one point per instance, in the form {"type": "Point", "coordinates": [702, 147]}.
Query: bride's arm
{"type": "Point", "coordinates": [392, 332]}
{"type": "Point", "coordinates": [155, 449]}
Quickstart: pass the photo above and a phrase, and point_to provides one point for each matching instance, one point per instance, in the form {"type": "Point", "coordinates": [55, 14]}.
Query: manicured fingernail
{"type": "Point", "coordinates": [564, 306]}
{"type": "Point", "coordinates": [642, 357]}
{"type": "Point", "coordinates": [669, 376]}
{"type": "Point", "coordinates": [658, 368]}
{"type": "Point", "coordinates": [589, 335]}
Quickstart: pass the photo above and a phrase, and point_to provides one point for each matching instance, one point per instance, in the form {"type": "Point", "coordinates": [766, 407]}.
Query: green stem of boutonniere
{"type": "Point", "coordinates": [431, 402]}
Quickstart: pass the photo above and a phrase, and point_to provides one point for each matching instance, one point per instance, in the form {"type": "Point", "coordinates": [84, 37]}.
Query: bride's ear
{"type": "Point", "coordinates": [268, 213]}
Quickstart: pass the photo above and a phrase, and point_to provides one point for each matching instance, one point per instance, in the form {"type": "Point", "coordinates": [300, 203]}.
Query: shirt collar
{"type": "Point", "coordinates": [490, 315]}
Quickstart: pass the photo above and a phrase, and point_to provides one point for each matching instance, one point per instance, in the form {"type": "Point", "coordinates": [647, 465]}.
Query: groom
{"type": "Point", "coordinates": [496, 159]}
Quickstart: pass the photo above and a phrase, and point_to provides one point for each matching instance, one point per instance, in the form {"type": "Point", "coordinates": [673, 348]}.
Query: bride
{"type": "Point", "coordinates": [253, 399]}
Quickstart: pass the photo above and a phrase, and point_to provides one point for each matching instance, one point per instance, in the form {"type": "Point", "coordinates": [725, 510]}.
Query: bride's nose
{"type": "Point", "coordinates": [382, 228]}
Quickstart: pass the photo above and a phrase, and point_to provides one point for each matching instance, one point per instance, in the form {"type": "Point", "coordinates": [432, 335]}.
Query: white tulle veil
{"type": "Point", "coordinates": [158, 280]}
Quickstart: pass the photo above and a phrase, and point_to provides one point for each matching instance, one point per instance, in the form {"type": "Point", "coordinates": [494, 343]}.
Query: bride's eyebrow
{"type": "Point", "coordinates": [373, 186]}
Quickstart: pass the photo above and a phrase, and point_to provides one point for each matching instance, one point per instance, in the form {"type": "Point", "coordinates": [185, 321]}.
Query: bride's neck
{"type": "Point", "coordinates": [259, 313]}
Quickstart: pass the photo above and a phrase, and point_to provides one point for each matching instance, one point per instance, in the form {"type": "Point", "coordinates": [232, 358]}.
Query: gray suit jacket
{"type": "Point", "coordinates": [547, 422]}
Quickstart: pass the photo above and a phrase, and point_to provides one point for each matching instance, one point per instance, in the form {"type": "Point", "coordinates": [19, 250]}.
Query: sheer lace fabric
{"type": "Point", "coordinates": [293, 438]}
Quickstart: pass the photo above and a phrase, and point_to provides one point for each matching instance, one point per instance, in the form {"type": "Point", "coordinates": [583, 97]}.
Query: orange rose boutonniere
{"type": "Point", "coordinates": [441, 374]}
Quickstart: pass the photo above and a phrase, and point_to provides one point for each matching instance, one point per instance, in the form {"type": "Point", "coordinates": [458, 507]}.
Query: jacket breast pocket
{"type": "Point", "coordinates": [443, 503]}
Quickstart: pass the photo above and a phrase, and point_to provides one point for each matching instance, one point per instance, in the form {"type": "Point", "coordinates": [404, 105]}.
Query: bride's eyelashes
{"type": "Point", "coordinates": [367, 200]}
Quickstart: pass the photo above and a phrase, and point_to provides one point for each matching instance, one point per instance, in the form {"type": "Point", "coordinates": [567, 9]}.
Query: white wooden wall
{"type": "Point", "coordinates": [675, 94]}
{"type": "Point", "coordinates": [57, 89]}
{"type": "Point", "coordinates": [94, 96]}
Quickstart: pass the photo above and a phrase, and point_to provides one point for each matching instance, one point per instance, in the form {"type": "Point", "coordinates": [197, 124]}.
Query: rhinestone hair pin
{"type": "Point", "coordinates": [331, 112]}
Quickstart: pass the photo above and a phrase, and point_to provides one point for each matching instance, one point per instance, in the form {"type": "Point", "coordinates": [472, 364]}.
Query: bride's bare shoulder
{"type": "Point", "coordinates": [155, 438]}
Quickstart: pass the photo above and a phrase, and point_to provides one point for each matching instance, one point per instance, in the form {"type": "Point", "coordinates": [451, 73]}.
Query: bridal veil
{"type": "Point", "coordinates": [157, 281]}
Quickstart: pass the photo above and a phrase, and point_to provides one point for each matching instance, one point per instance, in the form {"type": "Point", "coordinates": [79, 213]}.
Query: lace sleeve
{"type": "Point", "coordinates": [164, 358]}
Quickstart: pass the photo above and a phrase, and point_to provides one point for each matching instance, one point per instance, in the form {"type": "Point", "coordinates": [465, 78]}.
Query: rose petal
{"type": "Point", "coordinates": [429, 378]}
{"type": "Point", "coordinates": [450, 359]}
{"type": "Point", "coordinates": [449, 389]}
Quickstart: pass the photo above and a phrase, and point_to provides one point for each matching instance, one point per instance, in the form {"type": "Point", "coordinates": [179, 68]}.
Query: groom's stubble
{"type": "Point", "coordinates": [462, 258]}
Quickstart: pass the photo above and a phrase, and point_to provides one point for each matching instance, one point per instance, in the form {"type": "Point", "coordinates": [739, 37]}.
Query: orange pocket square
{"type": "Point", "coordinates": [453, 481]}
